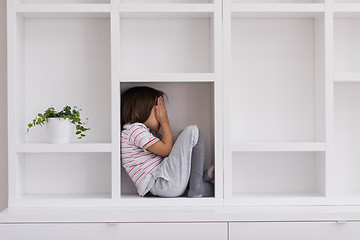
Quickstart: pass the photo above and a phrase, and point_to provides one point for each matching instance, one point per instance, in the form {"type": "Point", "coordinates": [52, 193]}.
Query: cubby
{"type": "Point", "coordinates": [197, 108]}
{"type": "Point", "coordinates": [76, 72]}
{"type": "Point", "coordinates": [281, 68]}
{"type": "Point", "coordinates": [278, 174]}
{"type": "Point", "coordinates": [64, 175]}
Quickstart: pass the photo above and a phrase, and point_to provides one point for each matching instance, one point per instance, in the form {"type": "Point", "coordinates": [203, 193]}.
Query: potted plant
{"type": "Point", "coordinates": [59, 124]}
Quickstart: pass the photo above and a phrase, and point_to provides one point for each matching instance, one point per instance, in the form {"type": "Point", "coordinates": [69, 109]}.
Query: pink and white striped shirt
{"type": "Point", "coordinates": [138, 163]}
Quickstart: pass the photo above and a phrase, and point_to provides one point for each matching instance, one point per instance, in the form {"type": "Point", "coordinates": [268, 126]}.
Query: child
{"type": "Point", "coordinates": [158, 165]}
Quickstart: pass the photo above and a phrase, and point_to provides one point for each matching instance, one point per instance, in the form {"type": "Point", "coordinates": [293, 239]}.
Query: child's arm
{"type": "Point", "coordinates": [164, 146]}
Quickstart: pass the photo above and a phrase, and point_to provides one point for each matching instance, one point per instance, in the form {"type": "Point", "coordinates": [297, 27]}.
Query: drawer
{"type": "Point", "coordinates": [58, 231]}
{"type": "Point", "coordinates": [294, 231]}
{"type": "Point", "coordinates": [121, 231]}
{"type": "Point", "coordinates": [174, 231]}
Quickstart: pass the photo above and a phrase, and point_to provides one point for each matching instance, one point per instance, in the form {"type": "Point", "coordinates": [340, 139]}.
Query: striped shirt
{"type": "Point", "coordinates": [138, 163]}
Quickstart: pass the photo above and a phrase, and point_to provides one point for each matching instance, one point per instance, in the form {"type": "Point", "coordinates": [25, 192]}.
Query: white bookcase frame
{"type": "Point", "coordinates": [306, 160]}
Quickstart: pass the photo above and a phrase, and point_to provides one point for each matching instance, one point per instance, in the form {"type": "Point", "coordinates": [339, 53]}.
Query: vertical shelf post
{"type": "Point", "coordinates": [227, 98]}
{"type": "Point", "coordinates": [329, 98]}
{"type": "Point", "coordinates": [115, 101]}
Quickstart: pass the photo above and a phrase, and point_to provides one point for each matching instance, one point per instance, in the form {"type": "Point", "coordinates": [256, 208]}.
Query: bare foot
{"type": "Point", "coordinates": [209, 174]}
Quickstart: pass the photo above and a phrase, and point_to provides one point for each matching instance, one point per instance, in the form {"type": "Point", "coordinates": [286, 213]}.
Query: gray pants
{"type": "Point", "coordinates": [172, 176]}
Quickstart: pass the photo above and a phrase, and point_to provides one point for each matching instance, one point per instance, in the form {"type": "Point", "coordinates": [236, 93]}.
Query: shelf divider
{"type": "Point", "coordinates": [63, 10]}
{"type": "Point", "coordinates": [347, 77]}
{"type": "Point", "coordinates": [278, 147]}
{"type": "Point", "coordinates": [71, 147]}
{"type": "Point", "coordinates": [168, 77]}
{"type": "Point", "coordinates": [306, 10]}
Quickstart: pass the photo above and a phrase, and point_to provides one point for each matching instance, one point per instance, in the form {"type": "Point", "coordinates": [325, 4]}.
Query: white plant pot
{"type": "Point", "coordinates": [59, 130]}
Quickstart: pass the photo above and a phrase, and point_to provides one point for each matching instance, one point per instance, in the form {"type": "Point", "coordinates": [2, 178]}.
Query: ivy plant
{"type": "Point", "coordinates": [72, 114]}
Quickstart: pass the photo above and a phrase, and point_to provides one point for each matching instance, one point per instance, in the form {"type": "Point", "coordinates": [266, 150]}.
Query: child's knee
{"type": "Point", "coordinates": [193, 131]}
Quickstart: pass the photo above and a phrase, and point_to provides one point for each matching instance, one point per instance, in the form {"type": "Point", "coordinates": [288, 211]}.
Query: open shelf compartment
{"type": "Point", "coordinates": [76, 53]}
{"type": "Point", "coordinates": [187, 104]}
{"type": "Point", "coordinates": [181, 43]}
{"type": "Point", "coordinates": [347, 139]}
{"type": "Point", "coordinates": [278, 80]}
{"type": "Point", "coordinates": [279, 175]}
{"type": "Point", "coordinates": [64, 176]}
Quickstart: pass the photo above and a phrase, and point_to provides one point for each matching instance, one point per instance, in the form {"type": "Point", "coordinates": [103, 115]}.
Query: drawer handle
{"type": "Point", "coordinates": [341, 221]}
{"type": "Point", "coordinates": [112, 224]}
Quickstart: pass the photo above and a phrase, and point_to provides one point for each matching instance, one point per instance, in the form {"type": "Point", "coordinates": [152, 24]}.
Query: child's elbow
{"type": "Point", "coordinates": [166, 152]}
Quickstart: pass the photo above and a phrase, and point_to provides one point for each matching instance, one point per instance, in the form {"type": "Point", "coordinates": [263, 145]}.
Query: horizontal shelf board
{"type": "Point", "coordinates": [304, 198]}
{"type": "Point", "coordinates": [66, 196]}
{"type": "Point", "coordinates": [178, 214]}
{"type": "Point", "coordinates": [71, 147]}
{"type": "Point", "coordinates": [168, 77]}
{"type": "Point", "coordinates": [347, 195]}
{"type": "Point", "coordinates": [276, 195]}
{"type": "Point", "coordinates": [347, 77]}
{"type": "Point", "coordinates": [166, 15]}
{"type": "Point", "coordinates": [349, 10]}
{"type": "Point", "coordinates": [63, 10]}
{"type": "Point", "coordinates": [277, 146]}
{"type": "Point", "coordinates": [277, 10]}
{"type": "Point", "coordinates": [166, 8]}
{"type": "Point", "coordinates": [135, 200]}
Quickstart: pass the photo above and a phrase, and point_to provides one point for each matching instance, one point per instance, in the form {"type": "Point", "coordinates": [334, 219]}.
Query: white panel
{"type": "Point", "coordinates": [176, 231]}
{"type": "Point", "coordinates": [165, 45]}
{"type": "Point", "coordinates": [66, 173]}
{"type": "Point", "coordinates": [114, 231]}
{"type": "Point", "coordinates": [346, 45]}
{"type": "Point", "coordinates": [93, 231]}
{"type": "Point", "coordinates": [67, 62]}
{"type": "Point", "coordinates": [294, 231]}
{"type": "Point", "coordinates": [347, 138]}
{"type": "Point", "coordinates": [273, 80]}
{"type": "Point", "coordinates": [267, 172]}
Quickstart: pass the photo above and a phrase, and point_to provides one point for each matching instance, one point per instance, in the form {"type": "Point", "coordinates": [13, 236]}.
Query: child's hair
{"type": "Point", "coordinates": [137, 102]}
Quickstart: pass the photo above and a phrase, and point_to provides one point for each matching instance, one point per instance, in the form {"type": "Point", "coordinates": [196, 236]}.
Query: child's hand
{"type": "Point", "coordinates": [160, 111]}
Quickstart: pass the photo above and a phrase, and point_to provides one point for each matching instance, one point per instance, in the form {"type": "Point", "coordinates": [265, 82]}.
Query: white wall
{"type": "Point", "coordinates": [3, 109]}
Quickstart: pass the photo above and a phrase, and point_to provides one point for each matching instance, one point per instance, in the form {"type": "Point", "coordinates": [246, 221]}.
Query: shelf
{"type": "Point", "coordinates": [171, 77]}
{"type": "Point", "coordinates": [67, 196]}
{"type": "Point", "coordinates": [347, 77]}
{"type": "Point", "coordinates": [240, 10]}
{"type": "Point", "coordinates": [166, 10]}
{"type": "Point", "coordinates": [72, 147]}
{"type": "Point", "coordinates": [350, 10]}
{"type": "Point", "coordinates": [63, 10]}
{"type": "Point", "coordinates": [135, 200]}
{"type": "Point", "coordinates": [278, 146]}
{"type": "Point", "coordinates": [292, 198]}
{"type": "Point", "coordinates": [277, 195]}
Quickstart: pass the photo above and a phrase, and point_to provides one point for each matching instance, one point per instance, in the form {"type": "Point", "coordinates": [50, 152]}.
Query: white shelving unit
{"type": "Point", "coordinates": [272, 84]}
{"type": "Point", "coordinates": [85, 53]}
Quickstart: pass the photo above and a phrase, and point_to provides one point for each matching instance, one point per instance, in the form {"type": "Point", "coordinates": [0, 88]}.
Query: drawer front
{"type": "Point", "coordinates": [121, 231]}
{"type": "Point", "coordinates": [59, 231]}
{"type": "Point", "coordinates": [174, 231]}
{"type": "Point", "coordinates": [294, 231]}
